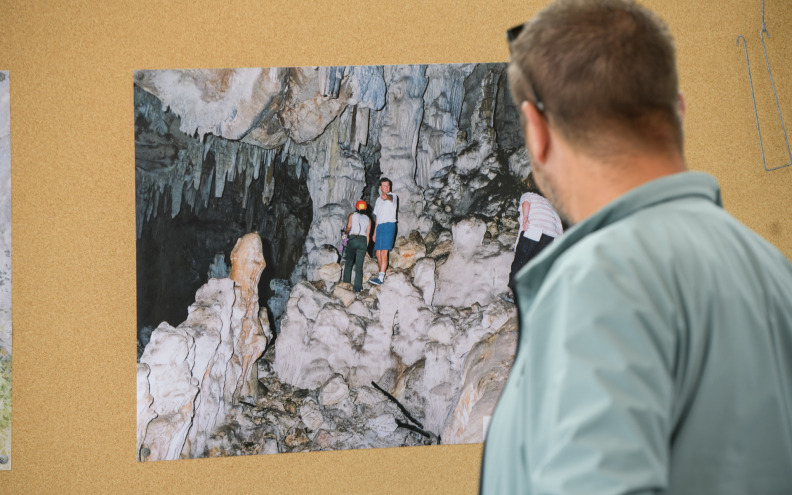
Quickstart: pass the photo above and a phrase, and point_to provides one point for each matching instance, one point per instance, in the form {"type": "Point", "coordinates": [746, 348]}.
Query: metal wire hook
{"type": "Point", "coordinates": [775, 95]}
{"type": "Point", "coordinates": [750, 81]}
{"type": "Point", "coordinates": [764, 26]}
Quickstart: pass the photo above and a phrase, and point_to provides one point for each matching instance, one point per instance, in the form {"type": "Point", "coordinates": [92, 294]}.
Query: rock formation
{"type": "Point", "coordinates": [191, 376]}
{"type": "Point", "coordinates": [485, 372]}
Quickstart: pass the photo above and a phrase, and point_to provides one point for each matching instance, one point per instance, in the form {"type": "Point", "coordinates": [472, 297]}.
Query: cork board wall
{"type": "Point", "coordinates": [73, 182]}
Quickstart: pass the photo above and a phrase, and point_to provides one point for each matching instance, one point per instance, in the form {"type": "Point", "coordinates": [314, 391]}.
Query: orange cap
{"type": "Point", "coordinates": [360, 205]}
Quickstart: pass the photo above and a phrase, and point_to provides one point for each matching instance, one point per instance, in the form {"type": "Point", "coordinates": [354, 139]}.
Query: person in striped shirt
{"type": "Point", "coordinates": [539, 226]}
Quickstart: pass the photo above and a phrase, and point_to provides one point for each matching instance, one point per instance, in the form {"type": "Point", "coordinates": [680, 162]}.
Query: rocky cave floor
{"type": "Point", "coordinates": [336, 416]}
{"type": "Point", "coordinates": [289, 419]}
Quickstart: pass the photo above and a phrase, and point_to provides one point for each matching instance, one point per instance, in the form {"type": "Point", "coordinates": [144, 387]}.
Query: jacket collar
{"type": "Point", "coordinates": [665, 189]}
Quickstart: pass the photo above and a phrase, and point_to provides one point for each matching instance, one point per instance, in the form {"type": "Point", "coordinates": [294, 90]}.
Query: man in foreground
{"type": "Point", "coordinates": [655, 353]}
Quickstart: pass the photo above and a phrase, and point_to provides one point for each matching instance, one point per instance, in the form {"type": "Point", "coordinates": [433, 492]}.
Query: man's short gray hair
{"type": "Point", "coordinates": [602, 67]}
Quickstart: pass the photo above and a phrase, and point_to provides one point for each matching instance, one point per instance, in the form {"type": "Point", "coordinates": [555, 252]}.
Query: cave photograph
{"type": "Point", "coordinates": [249, 339]}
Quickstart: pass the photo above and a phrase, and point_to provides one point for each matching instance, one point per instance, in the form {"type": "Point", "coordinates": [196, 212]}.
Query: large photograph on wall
{"type": "Point", "coordinates": [256, 331]}
{"type": "Point", "coordinates": [5, 272]}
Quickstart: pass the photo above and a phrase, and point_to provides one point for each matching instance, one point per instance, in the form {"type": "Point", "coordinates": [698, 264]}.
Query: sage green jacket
{"type": "Point", "coordinates": [655, 356]}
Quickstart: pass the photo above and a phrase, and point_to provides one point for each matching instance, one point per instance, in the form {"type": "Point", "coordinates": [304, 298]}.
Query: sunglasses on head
{"type": "Point", "coordinates": [511, 36]}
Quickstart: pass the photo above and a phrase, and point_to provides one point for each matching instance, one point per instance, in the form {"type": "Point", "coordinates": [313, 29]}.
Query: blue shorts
{"type": "Point", "coordinates": [385, 234]}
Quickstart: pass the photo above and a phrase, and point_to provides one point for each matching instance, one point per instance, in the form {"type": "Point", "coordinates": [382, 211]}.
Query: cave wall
{"type": "Point", "coordinates": [187, 216]}
{"type": "Point", "coordinates": [287, 151]}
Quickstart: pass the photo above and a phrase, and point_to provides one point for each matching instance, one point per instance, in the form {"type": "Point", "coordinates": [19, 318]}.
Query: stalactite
{"type": "Point", "coordinates": [331, 80]}
{"type": "Point", "coordinates": [443, 99]}
{"type": "Point", "coordinates": [361, 128]}
{"type": "Point", "coordinates": [182, 182]}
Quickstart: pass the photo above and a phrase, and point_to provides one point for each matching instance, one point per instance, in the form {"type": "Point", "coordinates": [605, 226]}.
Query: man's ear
{"type": "Point", "coordinates": [537, 134]}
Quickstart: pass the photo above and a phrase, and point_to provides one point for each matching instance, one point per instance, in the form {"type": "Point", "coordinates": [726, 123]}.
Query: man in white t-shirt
{"type": "Point", "coordinates": [385, 213]}
{"type": "Point", "coordinates": [539, 226]}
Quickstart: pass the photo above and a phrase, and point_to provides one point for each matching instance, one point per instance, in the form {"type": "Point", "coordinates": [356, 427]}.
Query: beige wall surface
{"type": "Point", "coordinates": [72, 153]}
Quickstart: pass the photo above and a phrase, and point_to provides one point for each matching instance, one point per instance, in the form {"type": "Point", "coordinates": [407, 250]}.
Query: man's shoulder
{"type": "Point", "coordinates": [535, 199]}
{"type": "Point", "coordinates": [634, 239]}
{"type": "Point", "coordinates": [529, 196]}
{"type": "Point", "coordinates": [667, 237]}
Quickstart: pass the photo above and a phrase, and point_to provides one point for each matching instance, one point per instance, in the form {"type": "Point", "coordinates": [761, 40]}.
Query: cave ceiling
{"type": "Point", "coordinates": [262, 107]}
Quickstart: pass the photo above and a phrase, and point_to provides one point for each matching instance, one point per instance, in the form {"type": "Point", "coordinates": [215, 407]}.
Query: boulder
{"type": "Point", "coordinates": [485, 373]}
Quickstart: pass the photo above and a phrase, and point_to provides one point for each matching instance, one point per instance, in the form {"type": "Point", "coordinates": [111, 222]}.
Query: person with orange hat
{"type": "Point", "coordinates": [358, 228]}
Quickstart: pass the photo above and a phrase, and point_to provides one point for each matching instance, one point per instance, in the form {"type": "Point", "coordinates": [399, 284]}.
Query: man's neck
{"type": "Point", "coordinates": [595, 183]}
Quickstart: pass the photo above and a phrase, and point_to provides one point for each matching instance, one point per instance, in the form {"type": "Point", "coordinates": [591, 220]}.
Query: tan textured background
{"type": "Point", "coordinates": [72, 155]}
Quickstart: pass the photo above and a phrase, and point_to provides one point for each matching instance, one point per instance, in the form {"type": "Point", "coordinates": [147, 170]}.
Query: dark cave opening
{"type": "Point", "coordinates": [174, 254]}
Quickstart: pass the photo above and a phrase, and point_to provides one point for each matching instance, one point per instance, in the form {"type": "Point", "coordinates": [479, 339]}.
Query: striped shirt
{"type": "Point", "coordinates": [542, 218]}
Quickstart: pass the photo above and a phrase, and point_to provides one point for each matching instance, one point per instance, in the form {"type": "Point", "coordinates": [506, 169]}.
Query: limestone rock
{"type": "Point", "coordinates": [334, 391]}
{"type": "Point", "coordinates": [486, 370]}
{"type": "Point", "coordinates": [169, 163]}
{"type": "Point", "coordinates": [402, 305]}
{"type": "Point", "coordinates": [406, 253]}
{"type": "Point", "coordinates": [320, 245]}
{"type": "Point", "coordinates": [520, 164]}
{"type": "Point", "coordinates": [208, 101]}
{"type": "Point", "coordinates": [170, 356]}
{"type": "Point", "coordinates": [297, 440]}
{"type": "Point", "coordinates": [319, 339]}
{"type": "Point", "coordinates": [311, 415]}
{"type": "Point", "coordinates": [383, 425]}
{"type": "Point", "coordinates": [344, 294]}
{"type": "Point", "coordinates": [468, 235]}
{"type": "Point", "coordinates": [368, 396]}
{"type": "Point", "coordinates": [442, 248]}
{"type": "Point", "coordinates": [424, 278]}
{"type": "Point", "coordinates": [359, 308]}
{"type": "Point", "coordinates": [400, 125]}
{"type": "Point", "coordinates": [443, 101]}
{"type": "Point", "coordinates": [263, 106]}
{"type": "Point", "coordinates": [475, 271]}
{"type": "Point", "coordinates": [218, 268]}
{"type": "Point", "coordinates": [251, 328]}
{"type": "Point", "coordinates": [202, 368]}
{"type": "Point", "coordinates": [442, 330]}
{"type": "Point", "coordinates": [330, 274]}
{"type": "Point", "coordinates": [144, 411]}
